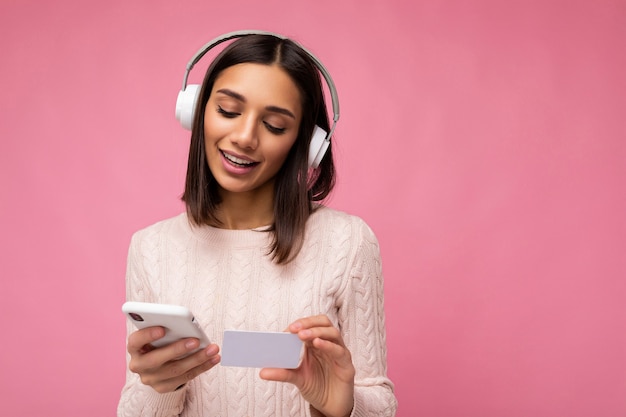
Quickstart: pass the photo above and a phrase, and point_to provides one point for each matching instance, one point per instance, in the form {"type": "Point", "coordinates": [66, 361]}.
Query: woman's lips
{"type": "Point", "coordinates": [237, 164]}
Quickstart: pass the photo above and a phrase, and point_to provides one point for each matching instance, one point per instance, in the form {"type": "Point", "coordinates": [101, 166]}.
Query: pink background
{"type": "Point", "coordinates": [483, 141]}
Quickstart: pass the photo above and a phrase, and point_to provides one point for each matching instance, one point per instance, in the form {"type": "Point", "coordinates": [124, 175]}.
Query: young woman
{"type": "Point", "coordinates": [256, 250]}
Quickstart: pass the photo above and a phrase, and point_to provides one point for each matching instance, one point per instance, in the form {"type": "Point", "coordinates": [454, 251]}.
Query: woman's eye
{"type": "Point", "coordinates": [228, 114]}
{"type": "Point", "coordinates": [274, 129]}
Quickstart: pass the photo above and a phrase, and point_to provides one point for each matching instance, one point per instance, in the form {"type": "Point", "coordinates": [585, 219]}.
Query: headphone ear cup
{"type": "Point", "coordinates": [186, 105]}
{"type": "Point", "coordinates": [318, 147]}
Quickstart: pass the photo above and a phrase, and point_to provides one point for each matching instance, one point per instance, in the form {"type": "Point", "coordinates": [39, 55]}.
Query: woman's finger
{"type": "Point", "coordinates": [337, 353]}
{"type": "Point", "coordinates": [157, 357]}
{"type": "Point", "coordinates": [138, 340]}
{"type": "Point", "coordinates": [279, 375]}
{"type": "Point", "coordinates": [308, 322]}
{"type": "Point", "coordinates": [168, 376]}
{"type": "Point", "coordinates": [330, 334]}
{"type": "Point", "coordinates": [181, 374]}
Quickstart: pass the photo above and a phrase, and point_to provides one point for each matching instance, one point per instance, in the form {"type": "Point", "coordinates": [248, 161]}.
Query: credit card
{"type": "Point", "coordinates": [253, 349]}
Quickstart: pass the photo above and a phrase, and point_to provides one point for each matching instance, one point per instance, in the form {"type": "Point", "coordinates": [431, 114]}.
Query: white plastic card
{"type": "Point", "coordinates": [261, 349]}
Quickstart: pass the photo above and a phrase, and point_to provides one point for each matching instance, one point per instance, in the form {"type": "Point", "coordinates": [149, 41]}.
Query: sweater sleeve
{"type": "Point", "coordinates": [362, 322]}
{"type": "Point", "coordinates": [138, 400]}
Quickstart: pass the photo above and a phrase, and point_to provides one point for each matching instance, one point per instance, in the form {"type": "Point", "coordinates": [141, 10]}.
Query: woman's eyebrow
{"type": "Point", "coordinates": [239, 97]}
{"type": "Point", "coordinates": [280, 110]}
{"type": "Point", "coordinates": [231, 93]}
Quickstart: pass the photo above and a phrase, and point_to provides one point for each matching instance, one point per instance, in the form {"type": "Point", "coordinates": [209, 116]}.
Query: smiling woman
{"type": "Point", "coordinates": [257, 251]}
{"type": "Point", "coordinates": [285, 77]}
{"type": "Point", "coordinates": [250, 124]}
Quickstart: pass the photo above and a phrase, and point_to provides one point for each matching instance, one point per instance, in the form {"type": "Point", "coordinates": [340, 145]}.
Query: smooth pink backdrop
{"type": "Point", "coordinates": [483, 141]}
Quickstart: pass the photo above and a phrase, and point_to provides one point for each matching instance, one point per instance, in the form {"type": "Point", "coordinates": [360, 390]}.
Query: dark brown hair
{"type": "Point", "coordinates": [296, 186]}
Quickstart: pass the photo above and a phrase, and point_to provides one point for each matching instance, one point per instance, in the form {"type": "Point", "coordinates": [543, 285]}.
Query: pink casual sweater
{"type": "Point", "coordinates": [227, 280]}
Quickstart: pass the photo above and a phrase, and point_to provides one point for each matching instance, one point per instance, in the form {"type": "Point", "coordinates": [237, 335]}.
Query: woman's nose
{"type": "Point", "coordinates": [245, 134]}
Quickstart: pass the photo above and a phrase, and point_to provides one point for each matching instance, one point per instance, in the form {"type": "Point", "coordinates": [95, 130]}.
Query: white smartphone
{"type": "Point", "coordinates": [178, 321]}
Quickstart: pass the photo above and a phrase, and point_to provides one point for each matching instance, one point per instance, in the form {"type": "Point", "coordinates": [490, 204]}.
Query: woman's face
{"type": "Point", "coordinates": [250, 123]}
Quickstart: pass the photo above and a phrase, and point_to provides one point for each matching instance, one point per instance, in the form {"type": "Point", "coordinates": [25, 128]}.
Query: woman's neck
{"type": "Point", "coordinates": [240, 211]}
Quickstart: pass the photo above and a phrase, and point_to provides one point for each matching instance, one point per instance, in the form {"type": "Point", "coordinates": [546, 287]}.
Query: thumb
{"type": "Point", "coordinates": [279, 375]}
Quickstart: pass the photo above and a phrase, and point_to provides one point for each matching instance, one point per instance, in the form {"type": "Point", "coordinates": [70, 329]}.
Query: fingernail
{"type": "Point", "coordinates": [191, 344]}
{"type": "Point", "coordinates": [296, 326]}
{"type": "Point", "coordinates": [306, 333]}
{"type": "Point", "coordinates": [211, 351]}
{"type": "Point", "coordinates": [157, 333]}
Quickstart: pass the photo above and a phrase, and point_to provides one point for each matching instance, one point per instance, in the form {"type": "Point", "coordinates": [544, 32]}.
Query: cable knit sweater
{"type": "Point", "coordinates": [228, 281]}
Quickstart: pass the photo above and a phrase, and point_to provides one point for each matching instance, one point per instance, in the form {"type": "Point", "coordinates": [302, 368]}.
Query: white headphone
{"type": "Point", "coordinates": [188, 95]}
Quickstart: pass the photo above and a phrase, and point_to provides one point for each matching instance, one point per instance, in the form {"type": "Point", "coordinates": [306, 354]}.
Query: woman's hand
{"type": "Point", "coordinates": [162, 368]}
{"type": "Point", "coordinates": [325, 376]}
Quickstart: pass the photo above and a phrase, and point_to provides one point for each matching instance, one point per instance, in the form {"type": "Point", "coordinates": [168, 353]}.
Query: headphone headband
{"type": "Point", "coordinates": [242, 33]}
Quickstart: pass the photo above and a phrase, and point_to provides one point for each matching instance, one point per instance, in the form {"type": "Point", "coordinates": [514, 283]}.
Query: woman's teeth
{"type": "Point", "coordinates": [236, 160]}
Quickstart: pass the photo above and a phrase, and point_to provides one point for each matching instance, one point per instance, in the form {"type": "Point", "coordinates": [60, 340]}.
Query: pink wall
{"type": "Point", "coordinates": [483, 141]}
